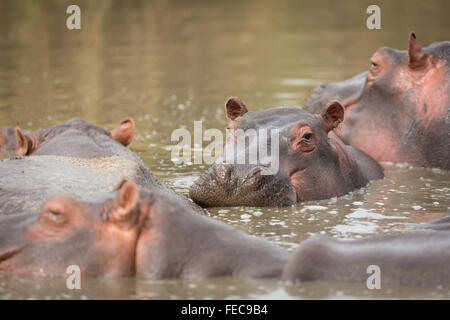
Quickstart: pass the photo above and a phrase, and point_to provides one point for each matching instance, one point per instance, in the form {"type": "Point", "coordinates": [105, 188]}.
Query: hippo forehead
{"type": "Point", "coordinates": [397, 57]}
{"type": "Point", "coordinates": [75, 124]}
{"type": "Point", "coordinates": [279, 117]}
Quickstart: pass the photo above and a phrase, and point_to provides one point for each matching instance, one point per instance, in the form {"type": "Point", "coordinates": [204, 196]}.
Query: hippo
{"type": "Point", "coordinates": [398, 111]}
{"type": "Point", "coordinates": [100, 241]}
{"type": "Point", "coordinates": [138, 231]}
{"type": "Point", "coordinates": [438, 224]}
{"type": "Point", "coordinates": [76, 158]}
{"type": "Point", "coordinates": [75, 138]}
{"type": "Point", "coordinates": [411, 259]}
{"type": "Point", "coordinates": [152, 235]}
{"type": "Point", "coordinates": [314, 164]}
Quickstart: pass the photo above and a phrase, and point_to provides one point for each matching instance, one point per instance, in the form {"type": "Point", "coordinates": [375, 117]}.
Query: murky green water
{"type": "Point", "coordinates": [169, 63]}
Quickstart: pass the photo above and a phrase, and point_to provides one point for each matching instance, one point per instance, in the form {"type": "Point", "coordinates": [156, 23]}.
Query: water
{"type": "Point", "coordinates": [168, 64]}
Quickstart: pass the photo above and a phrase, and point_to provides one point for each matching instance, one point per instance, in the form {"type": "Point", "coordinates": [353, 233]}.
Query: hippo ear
{"type": "Point", "coordinates": [417, 58]}
{"type": "Point", "coordinates": [23, 142]}
{"type": "Point", "coordinates": [124, 132]}
{"type": "Point", "coordinates": [127, 200]}
{"type": "Point", "coordinates": [332, 115]}
{"type": "Point", "coordinates": [235, 108]}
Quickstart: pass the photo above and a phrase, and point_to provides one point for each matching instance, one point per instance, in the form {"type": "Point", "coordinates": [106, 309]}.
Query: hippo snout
{"type": "Point", "coordinates": [246, 185]}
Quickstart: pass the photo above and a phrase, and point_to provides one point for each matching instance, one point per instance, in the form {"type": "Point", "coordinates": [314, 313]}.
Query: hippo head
{"type": "Point", "coordinates": [311, 162]}
{"type": "Point", "coordinates": [100, 239]}
{"type": "Point", "coordinates": [398, 110]}
{"type": "Point", "coordinates": [76, 137]}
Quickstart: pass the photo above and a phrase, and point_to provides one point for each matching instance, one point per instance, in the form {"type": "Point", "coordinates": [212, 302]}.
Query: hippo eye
{"type": "Point", "coordinates": [307, 136]}
{"type": "Point", "coordinates": [55, 216]}
{"type": "Point", "coordinates": [374, 66]}
{"type": "Point", "coordinates": [303, 139]}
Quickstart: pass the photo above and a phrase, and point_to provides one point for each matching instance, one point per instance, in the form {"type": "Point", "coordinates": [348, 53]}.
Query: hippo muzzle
{"type": "Point", "coordinates": [242, 185]}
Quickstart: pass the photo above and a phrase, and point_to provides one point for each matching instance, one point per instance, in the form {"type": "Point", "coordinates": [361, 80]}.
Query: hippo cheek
{"type": "Point", "coordinates": [12, 243]}
{"type": "Point", "coordinates": [119, 252]}
{"type": "Point", "coordinates": [145, 252]}
{"type": "Point", "coordinates": [298, 185]}
{"type": "Point", "coordinates": [8, 257]}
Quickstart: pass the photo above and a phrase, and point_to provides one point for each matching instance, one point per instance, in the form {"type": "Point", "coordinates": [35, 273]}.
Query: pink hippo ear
{"type": "Point", "coordinates": [24, 143]}
{"type": "Point", "coordinates": [332, 115]}
{"type": "Point", "coordinates": [235, 108]}
{"type": "Point", "coordinates": [127, 200]}
{"type": "Point", "coordinates": [124, 132]}
{"type": "Point", "coordinates": [417, 58]}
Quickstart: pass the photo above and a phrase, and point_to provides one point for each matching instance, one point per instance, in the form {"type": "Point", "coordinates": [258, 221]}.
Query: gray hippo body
{"type": "Point", "coordinates": [76, 158]}
{"type": "Point", "coordinates": [415, 259]}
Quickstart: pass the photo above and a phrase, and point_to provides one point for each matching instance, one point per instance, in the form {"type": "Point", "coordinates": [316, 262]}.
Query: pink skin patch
{"type": "Point", "coordinates": [345, 162]}
{"type": "Point", "coordinates": [379, 144]}
{"type": "Point", "coordinates": [298, 185]}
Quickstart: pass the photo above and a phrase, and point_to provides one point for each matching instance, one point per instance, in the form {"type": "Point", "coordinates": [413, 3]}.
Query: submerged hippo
{"type": "Point", "coordinates": [416, 259]}
{"type": "Point", "coordinates": [76, 158]}
{"type": "Point", "coordinates": [100, 241]}
{"type": "Point", "coordinates": [438, 224]}
{"type": "Point", "coordinates": [75, 138]}
{"type": "Point", "coordinates": [151, 234]}
{"type": "Point", "coordinates": [145, 232]}
{"type": "Point", "coordinates": [398, 111]}
{"type": "Point", "coordinates": [313, 162]}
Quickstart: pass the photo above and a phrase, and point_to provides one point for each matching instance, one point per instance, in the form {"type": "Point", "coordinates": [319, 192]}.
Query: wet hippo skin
{"type": "Point", "coordinates": [153, 235]}
{"type": "Point", "coordinates": [76, 158]}
{"type": "Point", "coordinates": [398, 111]}
{"type": "Point", "coordinates": [414, 259]}
{"type": "Point", "coordinates": [314, 163]}
{"type": "Point", "coordinates": [148, 233]}
{"type": "Point", "coordinates": [99, 239]}
{"type": "Point", "coordinates": [75, 138]}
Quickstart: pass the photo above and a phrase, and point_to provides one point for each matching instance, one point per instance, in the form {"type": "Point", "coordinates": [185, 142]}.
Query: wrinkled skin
{"type": "Point", "coordinates": [398, 111]}
{"type": "Point", "coordinates": [314, 164]}
{"type": "Point", "coordinates": [148, 233]}
{"type": "Point", "coordinates": [100, 239]}
{"type": "Point", "coordinates": [417, 259]}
